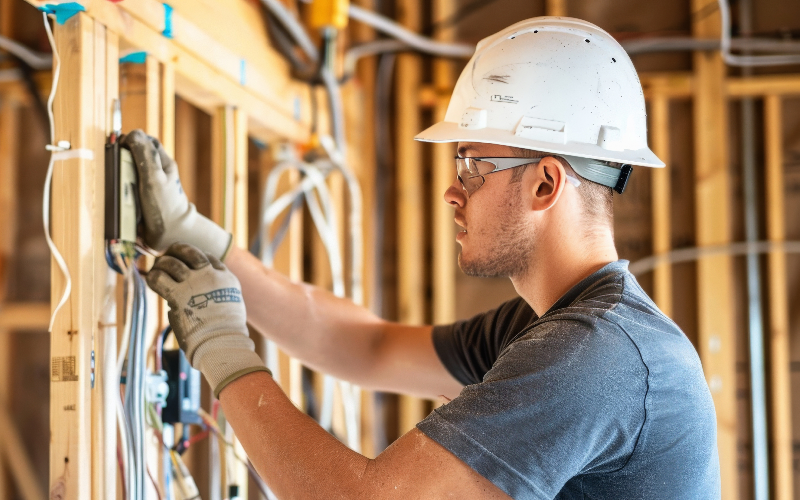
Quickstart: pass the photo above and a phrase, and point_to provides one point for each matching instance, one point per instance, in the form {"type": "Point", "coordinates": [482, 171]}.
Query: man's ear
{"type": "Point", "coordinates": [548, 183]}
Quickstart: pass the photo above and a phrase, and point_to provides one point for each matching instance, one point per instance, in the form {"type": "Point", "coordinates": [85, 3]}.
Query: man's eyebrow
{"type": "Point", "coordinates": [463, 149]}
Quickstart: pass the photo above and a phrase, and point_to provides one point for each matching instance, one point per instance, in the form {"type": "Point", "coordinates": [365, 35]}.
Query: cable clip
{"type": "Point", "coordinates": [61, 146]}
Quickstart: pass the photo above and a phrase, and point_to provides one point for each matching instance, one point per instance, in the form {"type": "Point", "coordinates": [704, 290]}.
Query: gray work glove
{"type": "Point", "coordinates": [207, 314]}
{"type": "Point", "coordinates": [168, 215]}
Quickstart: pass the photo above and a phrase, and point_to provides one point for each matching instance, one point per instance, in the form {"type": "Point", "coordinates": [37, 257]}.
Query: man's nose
{"type": "Point", "coordinates": [455, 194]}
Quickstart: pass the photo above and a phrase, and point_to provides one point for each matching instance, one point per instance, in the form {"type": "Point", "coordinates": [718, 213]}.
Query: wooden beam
{"type": "Point", "coordinates": [676, 84]}
{"type": "Point", "coordinates": [167, 107]}
{"type": "Point", "coordinates": [208, 73]}
{"type": "Point", "coordinates": [556, 8]}
{"type": "Point", "coordinates": [410, 240]}
{"type": "Point", "coordinates": [779, 381]}
{"type": "Point", "coordinates": [444, 242]}
{"type": "Point", "coordinates": [77, 227]}
{"type": "Point", "coordinates": [662, 229]}
{"type": "Point", "coordinates": [186, 147]}
{"type": "Point", "coordinates": [716, 343]}
{"type": "Point", "coordinates": [756, 86]}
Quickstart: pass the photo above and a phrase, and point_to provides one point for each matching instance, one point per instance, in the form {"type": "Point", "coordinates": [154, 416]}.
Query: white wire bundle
{"type": "Point", "coordinates": [49, 178]}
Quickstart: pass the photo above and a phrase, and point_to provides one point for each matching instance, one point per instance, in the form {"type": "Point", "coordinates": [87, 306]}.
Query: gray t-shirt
{"type": "Point", "coordinates": [603, 397]}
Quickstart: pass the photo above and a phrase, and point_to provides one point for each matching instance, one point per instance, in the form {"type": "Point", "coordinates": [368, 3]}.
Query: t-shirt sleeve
{"type": "Point", "coordinates": [566, 398]}
{"type": "Point", "coordinates": [469, 348]}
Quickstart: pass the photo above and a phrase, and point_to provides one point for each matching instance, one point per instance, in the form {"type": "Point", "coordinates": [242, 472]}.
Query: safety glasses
{"type": "Point", "coordinates": [471, 171]}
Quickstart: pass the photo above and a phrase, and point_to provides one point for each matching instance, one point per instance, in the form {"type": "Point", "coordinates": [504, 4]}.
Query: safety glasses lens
{"type": "Point", "coordinates": [469, 174]}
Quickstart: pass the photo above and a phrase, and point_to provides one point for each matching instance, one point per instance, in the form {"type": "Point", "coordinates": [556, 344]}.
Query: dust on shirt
{"type": "Point", "coordinates": [602, 397]}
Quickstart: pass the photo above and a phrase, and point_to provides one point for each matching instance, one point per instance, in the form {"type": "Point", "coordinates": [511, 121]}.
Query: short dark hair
{"type": "Point", "coordinates": [596, 200]}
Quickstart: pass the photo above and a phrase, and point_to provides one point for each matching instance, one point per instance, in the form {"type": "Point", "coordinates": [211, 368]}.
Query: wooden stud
{"type": "Point", "coordinates": [104, 425]}
{"type": "Point", "coordinates": [77, 223]}
{"type": "Point", "coordinates": [556, 8]}
{"type": "Point", "coordinates": [359, 99]}
{"type": "Point", "coordinates": [662, 234]}
{"type": "Point", "coordinates": [779, 382]}
{"type": "Point", "coordinates": [716, 344]}
{"type": "Point", "coordinates": [410, 241]}
{"type": "Point", "coordinates": [186, 146]}
{"type": "Point", "coordinates": [444, 242]}
{"type": "Point", "coordinates": [167, 107]}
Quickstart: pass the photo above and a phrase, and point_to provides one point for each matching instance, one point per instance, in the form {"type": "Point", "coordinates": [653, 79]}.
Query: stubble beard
{"type": "Point", "coordinates": [507, 253]}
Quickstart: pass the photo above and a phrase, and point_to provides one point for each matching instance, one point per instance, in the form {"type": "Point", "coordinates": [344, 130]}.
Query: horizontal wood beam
{"type": "Point", "coordinates": [24, 316]}
{"type": "Point", "coordinates": [207, 73]}
{"type": "Point", "coordinates": [673, 84]}
{"type": "Point", "coordinates": [756, 86]}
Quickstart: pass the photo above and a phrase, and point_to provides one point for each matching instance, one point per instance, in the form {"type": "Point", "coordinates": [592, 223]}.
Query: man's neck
{"type": "Point", "coordinates": [558, 264]}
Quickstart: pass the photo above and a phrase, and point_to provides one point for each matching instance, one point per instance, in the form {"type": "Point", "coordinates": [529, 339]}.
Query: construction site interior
{"type": "Point", "coordinates": [253, 117]}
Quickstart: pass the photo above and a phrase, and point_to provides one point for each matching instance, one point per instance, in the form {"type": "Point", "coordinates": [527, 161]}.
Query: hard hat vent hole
{"type": "Point", "coordinates": [613, 60]}
{"type": "Point", "coordinates": [587, 40]}
{"type": "Point", "coordinates": [513, 37]}
{"type": "Point", "coordinates": [535, 31]}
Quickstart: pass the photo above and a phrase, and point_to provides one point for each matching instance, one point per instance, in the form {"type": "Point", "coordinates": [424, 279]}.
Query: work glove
{"type": "Point", "coordinates": [207, 314]}
{"type": "Point", "coordinates": [168, 215]}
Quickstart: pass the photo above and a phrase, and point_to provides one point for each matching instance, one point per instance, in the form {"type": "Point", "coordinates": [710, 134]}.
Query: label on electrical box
{"type": "Point", "coordinates": [62, 369]}
{"type": "Point", "coordinates": [127, 196]}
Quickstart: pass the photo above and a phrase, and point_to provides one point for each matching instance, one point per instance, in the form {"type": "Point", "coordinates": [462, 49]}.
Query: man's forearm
{"type": "Point", "coordinates": [327, 332]}
{"type": "Point", "coordinates": [335, 336]}
{"type": "Point", "coordinates": [298, 459]}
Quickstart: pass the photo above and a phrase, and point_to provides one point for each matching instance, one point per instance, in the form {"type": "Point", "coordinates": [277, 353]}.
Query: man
{"type": "Point", "coordinates": [581, 388]}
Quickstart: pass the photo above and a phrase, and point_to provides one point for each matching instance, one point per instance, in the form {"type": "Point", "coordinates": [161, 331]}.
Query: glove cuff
{"type": "Point", "coordinates": [224, 359]}
{"type": "Point", "coordinates": [241, 373]}
{"type": "Point", "coordinates": [201, 232]}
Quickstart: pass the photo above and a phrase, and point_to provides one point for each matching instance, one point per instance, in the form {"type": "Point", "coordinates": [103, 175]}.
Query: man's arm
{"type": "Point", "coordinates": [298, 459]}
{"type": "Point", "coordinates": [336, 336]}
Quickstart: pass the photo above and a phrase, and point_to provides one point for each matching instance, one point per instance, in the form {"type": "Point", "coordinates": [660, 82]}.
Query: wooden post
{"type": "Point", "coordinates": [444, 242]}
{"type": "Point", "coordinates": [556, 8]}
{"type": "Point", "coordinates": [662, 234]}
{"type": "Point", "coordinates": [77, 227]}
{"type": "Point", "coordinates": [780, 384]}
{"type": "Point", "coordinates": [410, 240]}
{"type": "Point", "coordinates": [104, 426]}
{"type": "Point", "coordinates": [359, 100]}
{"type": "Point", "coordinates": [716, 343]}
{"type": "Point", "coordinates": [8, 225]}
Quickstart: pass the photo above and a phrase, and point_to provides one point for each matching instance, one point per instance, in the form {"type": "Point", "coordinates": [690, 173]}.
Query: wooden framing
{"type": "Point", "coordinates": [77, 231]}
{"type": "Point", "coordinates": [410, 240]}
{"type": "Point", "coordinates": [205, 70]}
{"type": "Point", "coordinates": [712, 227]}
{"type": "Point", "coordinates": [662, 234]}
{"type": "Point", "coordinates": [778, 313]}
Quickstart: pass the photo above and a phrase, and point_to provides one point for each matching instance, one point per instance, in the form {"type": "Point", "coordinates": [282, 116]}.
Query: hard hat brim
{"type": "Point", "coordinates": [451, 132]}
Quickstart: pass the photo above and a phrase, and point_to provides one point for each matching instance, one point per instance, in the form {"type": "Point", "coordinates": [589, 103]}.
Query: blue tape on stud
{"type": "Point", "coordinates": [259, 143]}
{"type": "Point", "coordinates": [134, 57]}
{"type": "Point", "coordinates": [63, 11]}
{"type": "Point", "coordinates": [168, 22]}
{"type": "Point", "coordinates": [242, 72]}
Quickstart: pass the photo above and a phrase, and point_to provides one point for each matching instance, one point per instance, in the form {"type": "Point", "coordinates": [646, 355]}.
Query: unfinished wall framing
{"type": "Point", "coordinates": [194, 95]}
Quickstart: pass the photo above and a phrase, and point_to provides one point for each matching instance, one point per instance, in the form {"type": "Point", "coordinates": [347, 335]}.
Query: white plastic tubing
{"type": "Point", "coordinates": [314, 190]}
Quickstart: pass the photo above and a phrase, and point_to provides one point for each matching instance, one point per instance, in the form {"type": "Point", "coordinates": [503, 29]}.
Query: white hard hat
{"type": "Point", "coordinates": [553, 84]}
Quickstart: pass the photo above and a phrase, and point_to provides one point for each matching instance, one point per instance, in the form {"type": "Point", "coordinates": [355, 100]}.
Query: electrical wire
{"type": "Point", "coordinates": [293, 27]}
{"type": "Point", "coordinates": [746, 60]}
{"type": "Point", "coordinates": [415, 40]}
{"type": "Point", "coordinates": [36, 60]}
{"type": "Point", "coordinates": [647, 264]}
{"type": "Point", "coordinates": [62, 265]}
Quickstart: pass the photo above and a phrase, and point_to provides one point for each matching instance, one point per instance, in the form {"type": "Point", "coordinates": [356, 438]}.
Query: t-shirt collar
{"type": "Point", "coordinates": [619, 266]}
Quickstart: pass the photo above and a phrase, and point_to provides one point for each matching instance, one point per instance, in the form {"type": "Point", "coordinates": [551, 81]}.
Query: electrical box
{"type": "Point", "coordinates": [183, 401]}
